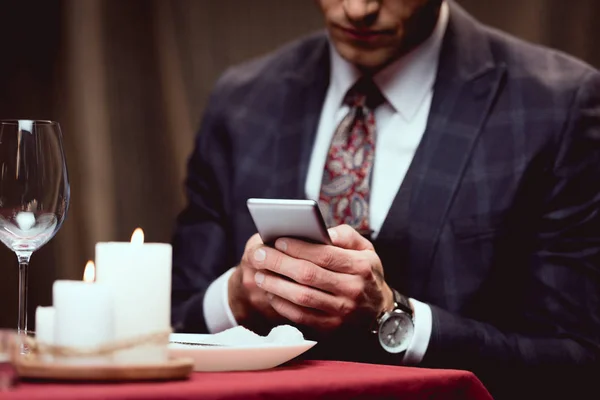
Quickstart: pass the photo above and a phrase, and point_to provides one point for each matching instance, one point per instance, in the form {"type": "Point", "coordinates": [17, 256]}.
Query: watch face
{"type": "Point", "coordinates": [395, 333]}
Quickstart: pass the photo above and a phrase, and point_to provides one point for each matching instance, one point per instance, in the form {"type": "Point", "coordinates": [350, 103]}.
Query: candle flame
{"type": "Point", "coordinates": [138, 236]}
{"type": "Point", "coordinates": [89, 274]}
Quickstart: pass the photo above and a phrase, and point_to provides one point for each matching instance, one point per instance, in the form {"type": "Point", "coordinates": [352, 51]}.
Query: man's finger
{"type": "Point", "coordinates": [304, 316]}
{"type": "Point", "coordinates": [346, 237]}
{"type": "Point", "coordinates": [298, 270]}
{"type": "Point", "coordinates": [304, 296]}
{"type": "Point", "coordinates": [254, 241]}
{"type": "Point", "coordinates": [332, 258]}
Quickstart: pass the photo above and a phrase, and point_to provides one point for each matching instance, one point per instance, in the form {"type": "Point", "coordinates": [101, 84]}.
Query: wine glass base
{"type": "Point", "coordinates": [24, 347]}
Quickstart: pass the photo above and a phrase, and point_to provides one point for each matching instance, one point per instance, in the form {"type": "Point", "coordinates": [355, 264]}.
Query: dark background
{"type": "Point", "coordinates": [128, 81]}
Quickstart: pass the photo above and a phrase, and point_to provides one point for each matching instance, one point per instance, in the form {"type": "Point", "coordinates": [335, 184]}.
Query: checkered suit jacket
{"type": "Point", "coordinates": [497, 225]}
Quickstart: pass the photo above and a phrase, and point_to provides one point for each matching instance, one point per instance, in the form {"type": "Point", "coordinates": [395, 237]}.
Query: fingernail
{"type": "Point", "coordinates": [332, 233]}
{"type": "Point", "coordinates": [259, 278]}
{"type": "Point", "coordinates": [260, 255]}
{"type": "Point", "coordinates": [270, 296]}
{"type": "Point", "coordinates": [281, 245]}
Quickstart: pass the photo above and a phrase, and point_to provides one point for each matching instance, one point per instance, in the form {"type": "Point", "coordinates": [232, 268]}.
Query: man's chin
{"type": "Point", "coordinates": [371, 60]}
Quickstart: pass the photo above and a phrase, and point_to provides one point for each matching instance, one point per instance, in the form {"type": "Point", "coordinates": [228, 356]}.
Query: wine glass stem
{"type": "Point", "coordinates": [23, 270]}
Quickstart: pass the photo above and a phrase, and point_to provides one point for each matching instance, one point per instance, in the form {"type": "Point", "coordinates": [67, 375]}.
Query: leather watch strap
{"type": "Point", "coordinates": [402, 303]}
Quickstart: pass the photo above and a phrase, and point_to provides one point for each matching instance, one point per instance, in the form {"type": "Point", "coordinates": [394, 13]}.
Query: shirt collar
{"type": "Point", "coordinates": [404, 83]}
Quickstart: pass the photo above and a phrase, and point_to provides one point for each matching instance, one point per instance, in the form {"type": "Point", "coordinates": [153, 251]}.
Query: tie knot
{"type": "Point", "coordinates": [364, 93]}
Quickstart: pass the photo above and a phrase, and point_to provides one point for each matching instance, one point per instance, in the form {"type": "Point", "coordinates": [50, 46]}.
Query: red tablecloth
{"type": "Point", "coordinates": [302, 380]}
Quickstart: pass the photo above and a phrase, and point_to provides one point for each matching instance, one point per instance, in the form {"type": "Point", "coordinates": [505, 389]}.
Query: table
{"type": "Point", "coordinates": [299, 380]}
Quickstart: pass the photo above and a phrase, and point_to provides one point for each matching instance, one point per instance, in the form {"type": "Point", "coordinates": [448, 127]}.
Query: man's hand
{"type": "Point", "coordinates": [328, 285]}
{"type": "Point", "coordinates": [249, 304]}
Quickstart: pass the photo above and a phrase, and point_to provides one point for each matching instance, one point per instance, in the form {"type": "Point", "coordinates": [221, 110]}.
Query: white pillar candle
{"type": "Point", "coordinates": [84, 318]}
{"type": "Point", "coordinates": [139, 275]}
{"type": "Point", "coordinates": [44, 327]}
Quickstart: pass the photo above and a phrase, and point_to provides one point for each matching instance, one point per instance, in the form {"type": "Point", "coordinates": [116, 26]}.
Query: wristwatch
{"type": "Point", "coordinates": [395, 328]}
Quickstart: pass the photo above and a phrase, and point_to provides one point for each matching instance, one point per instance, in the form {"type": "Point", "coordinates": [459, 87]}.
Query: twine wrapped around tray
{"type": "Point", "coordinates": [37, 347]}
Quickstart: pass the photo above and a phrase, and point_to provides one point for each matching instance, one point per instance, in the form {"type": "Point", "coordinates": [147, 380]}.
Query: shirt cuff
{"type": "Point", "coordinates": [217, 313]}
{"type": "Point", "coordinates": [422, 322]}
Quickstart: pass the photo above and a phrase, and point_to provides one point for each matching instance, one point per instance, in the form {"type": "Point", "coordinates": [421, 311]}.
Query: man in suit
{"type": "Point", "coordinates": [459, 170]}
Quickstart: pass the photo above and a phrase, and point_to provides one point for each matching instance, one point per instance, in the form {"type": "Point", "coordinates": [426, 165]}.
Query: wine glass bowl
{"type": "Point", "coordinates": [24, 231]}
{"type": "Point", "coordinates": [34, 192]}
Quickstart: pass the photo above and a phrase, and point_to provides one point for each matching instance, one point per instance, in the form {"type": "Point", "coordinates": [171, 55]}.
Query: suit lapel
{"type": "Point", "coordinates": [303, 96]}
{"type": "Point", "coordinates": [466, 86]}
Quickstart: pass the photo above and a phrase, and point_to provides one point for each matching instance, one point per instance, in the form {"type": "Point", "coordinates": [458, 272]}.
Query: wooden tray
{"type": "Point", "coordinates": [31, 367]}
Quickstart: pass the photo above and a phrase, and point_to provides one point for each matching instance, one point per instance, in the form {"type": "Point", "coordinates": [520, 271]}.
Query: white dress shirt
{"type": "Point", "coordinates": [407, 86]}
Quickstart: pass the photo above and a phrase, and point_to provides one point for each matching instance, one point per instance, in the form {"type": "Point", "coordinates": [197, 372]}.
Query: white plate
{"type": "Point", "coordinates": [247, 357]}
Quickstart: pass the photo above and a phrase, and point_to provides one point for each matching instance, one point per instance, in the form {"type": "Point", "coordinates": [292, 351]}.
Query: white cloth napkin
{"type": "Point", "coordinates": [282, 334]}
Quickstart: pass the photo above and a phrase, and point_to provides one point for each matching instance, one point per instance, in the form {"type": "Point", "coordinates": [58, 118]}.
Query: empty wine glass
{"type": "Point", "coordinates": [34, 192]}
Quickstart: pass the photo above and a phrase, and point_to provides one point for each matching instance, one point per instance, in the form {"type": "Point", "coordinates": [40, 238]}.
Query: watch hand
{"type": "Point", "coordinates": [391, 340]}
{"type": "Point", "coordinates": [392, 335]}
{"type": "Point", "coordinates": [396, 326]}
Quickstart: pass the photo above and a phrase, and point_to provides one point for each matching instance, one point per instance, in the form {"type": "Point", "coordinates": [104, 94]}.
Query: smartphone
{"type": "Point", "coordinates": [300, 219]}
